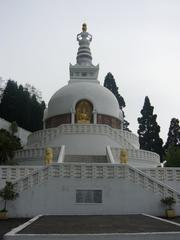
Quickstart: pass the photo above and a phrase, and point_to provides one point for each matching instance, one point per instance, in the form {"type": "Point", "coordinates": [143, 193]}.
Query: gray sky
{"type": "Point", "coordinates": [138, 41]}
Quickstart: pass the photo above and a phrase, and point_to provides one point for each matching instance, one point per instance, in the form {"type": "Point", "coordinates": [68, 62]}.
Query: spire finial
{"type": "Point", "coordinates": [84, 27]}
{"type": "Point", "coordinates": [84, 54]}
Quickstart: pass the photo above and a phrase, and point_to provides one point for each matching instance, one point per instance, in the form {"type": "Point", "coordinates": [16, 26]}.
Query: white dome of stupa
{"type": "Point", "coordinates": [66, 98]}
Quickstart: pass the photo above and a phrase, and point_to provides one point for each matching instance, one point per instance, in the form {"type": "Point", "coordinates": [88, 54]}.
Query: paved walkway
{"type": "Point", "coordinates": [90, 224]}
{"type": "Point", "coordinates": [98, 224]}
{"type": "Point", "coordinates": [7, 225]}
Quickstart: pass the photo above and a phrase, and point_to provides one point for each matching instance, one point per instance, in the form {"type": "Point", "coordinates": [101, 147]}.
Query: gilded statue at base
{"type": "Point", "coordinates": [124, 156]}
{"type": "Point", "coordinates": [48, 158]}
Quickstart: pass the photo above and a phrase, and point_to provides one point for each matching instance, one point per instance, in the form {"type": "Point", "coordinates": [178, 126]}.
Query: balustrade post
{"type": "Point", "coordinates": [72, 116]}
{"type": "Point", "coordinates": [95, 116]}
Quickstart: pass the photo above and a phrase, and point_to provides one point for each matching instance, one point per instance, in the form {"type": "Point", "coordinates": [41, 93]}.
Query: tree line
{"type": "Point", "coordinates": [149, 129]}
{"type": "Point", "coordinates": [22, 105]}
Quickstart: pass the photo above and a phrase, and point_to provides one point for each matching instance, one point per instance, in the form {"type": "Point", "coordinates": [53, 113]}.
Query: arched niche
{"type": "Point", "coordinates": [84, 112]}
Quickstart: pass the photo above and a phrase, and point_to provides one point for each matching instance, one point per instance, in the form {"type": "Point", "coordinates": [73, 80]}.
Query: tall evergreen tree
{"type": "Point", "coordinates": [110, 83]}
{"type": "Point", "coordinates": [172, 146]}
{"type": "Point", "coordinates": [172, 156]}
{"type": "Point", "coordinates": [8, 106]}
{"type": "Point", "coordinates": [173, 134]}
{"type": "Point", "coordinates": [149, 130]}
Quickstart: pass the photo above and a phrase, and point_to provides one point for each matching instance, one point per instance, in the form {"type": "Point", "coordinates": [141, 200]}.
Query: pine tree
{"type": "Point", "coordinates": [36, 113]}
{"type": "Point", "coordinates": [173, 134]}
{"type": "Point", "coordinates": [33, 91]}
{"type": "Point", "coordinates": [149, 130]}
{"type": "Point", "coordinates": [172, 156]}
{"type": "Point", "coordinates": [110, 83]}
{"type": "Point", "coordinates": [8, 106]}
{"type": "Point", "coordinates": [172, 146]}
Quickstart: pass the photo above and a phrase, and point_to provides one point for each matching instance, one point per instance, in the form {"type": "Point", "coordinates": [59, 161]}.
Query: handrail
{"type": "Point", "coordinates": [41, 137]}
{"type": "Point", "coordinates": [152, 183]}
{"type": "Point", "coordinates": [109, 154]}
{"type": "Point", "coordinates": [61, 154]}
{"type": "Point", "coordinates": [96, 170]}
{"type": "Point", "coordinates": [11, 173]}
{"type": "Point", "coordinates": [137, 154]}
{"type": "Point", "coordinates": [168, 174]}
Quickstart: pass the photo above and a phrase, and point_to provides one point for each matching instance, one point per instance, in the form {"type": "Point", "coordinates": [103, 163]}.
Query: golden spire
{"type": "Point", "coordinates": [84, 27]}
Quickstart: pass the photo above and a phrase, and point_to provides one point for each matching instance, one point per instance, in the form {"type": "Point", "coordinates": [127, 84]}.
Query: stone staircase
{"type": "Point", "coordinates": [85, 159]}
{"type": "Point", "coordinates": [94, 169]}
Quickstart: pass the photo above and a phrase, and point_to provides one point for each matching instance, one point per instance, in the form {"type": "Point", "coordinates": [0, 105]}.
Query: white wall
{"type": "Point", "coordinates": [58, 196]}
{"type": "Point", "coordinates": [22, 133]}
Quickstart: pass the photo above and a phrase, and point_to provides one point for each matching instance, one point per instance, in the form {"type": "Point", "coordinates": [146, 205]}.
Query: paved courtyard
{"type": "Point", "coordinates": [98, 224]}
{"type": "Point", "coordinates": [9, 224]}
{"type": "Point", "coordinates": [90, 224]}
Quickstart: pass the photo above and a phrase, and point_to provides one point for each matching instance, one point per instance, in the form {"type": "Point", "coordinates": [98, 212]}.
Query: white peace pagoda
{"type": "Point", "coordinates": [84, 119]}
{"type": "Point", "coordinates": [97, 167]}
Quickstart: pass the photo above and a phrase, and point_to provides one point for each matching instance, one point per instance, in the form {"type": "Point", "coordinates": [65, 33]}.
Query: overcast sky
{"type": "Point", "coordinates": [138, 41]}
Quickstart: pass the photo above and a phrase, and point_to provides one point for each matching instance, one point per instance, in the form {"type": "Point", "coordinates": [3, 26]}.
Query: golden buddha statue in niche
{"type": "Point", "coordinates": [84, 112]}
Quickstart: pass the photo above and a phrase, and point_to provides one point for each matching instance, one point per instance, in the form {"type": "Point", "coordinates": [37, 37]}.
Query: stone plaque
{"type": "Point", "coordinates": [89, 196]}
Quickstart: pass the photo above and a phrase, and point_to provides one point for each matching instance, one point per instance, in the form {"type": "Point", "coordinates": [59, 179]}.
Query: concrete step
{"type": "Point", "coordinates": [85, 158]}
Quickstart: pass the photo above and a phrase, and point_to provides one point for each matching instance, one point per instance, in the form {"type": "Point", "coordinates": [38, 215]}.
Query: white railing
{"type": "Point", "coordinates": [12, 173]}
{"type": "Point", "coordinates": [163, 174]}
{"type": "Point", "coordinates": [29, 153]}
{"type": "Point", "coordinates": [61, 154]}
{"type": "Point", "coordinates": [35, 153]}
{"type": "Point", "coordinates": [149, 183]}
{"type": "Point", "coordinates": [43, 137]}
{"type": "Point", "coordinates": [137, 155]}
{"type": "Point", "coordinates": [29, 181]}
{"type": "Point", "coordinates": [109, 155]}
{"type": "Point", "coordinates": [97, 171]}
{"type": "Point", "coordinates": [131, 137]}
{"type": "Point", "coordinates": [70, 170]}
